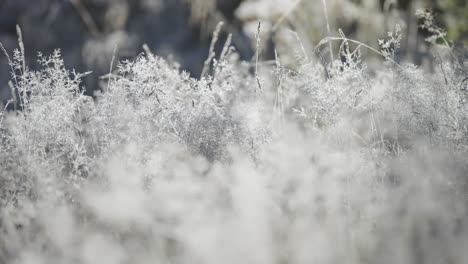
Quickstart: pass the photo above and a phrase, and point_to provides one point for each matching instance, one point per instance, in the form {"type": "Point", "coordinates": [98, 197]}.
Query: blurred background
{"type": "Point", "coordinates": [87, 31]}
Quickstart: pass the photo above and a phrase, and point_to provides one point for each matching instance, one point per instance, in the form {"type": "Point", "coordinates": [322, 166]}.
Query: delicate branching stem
{"type": "Point", "coordinates": [23, 61]}
{"type": "Point", "coordinates": [328, 39]}
{"type": "Point", "coordinates": [324, 64]}
{"type": "Point", "coordinates": [21, 46]}
{"type": "Point", "coordinates": [13, 95]}
{"type": "Point", "coordinates": [10, 84]}
{"type": "Point", "coordinates": [257, 47]}
{"type": "Point", "coordinates": [9, 62]}
{"type": "Point", "coordinates": [211, 52]}
{"type": "Point", "coordinates": [279, 107]}
{"type": "Point", "coordinates": [226, 47]}
{"type": "Point", "coordinates": [301, 44]}
{"type": "Point", "coordinates": [325, 11]}
{"type": "Point", "coordinates": [224, 51]}
{"type": "Point", "coordinates": [114, 54]}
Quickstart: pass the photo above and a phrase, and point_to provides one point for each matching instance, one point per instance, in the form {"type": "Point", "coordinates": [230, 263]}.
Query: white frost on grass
{"type": "Point", "coordinates": [355, 166]}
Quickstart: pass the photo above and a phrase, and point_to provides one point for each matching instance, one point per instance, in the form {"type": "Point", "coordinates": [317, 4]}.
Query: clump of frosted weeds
{"type": "Point", "coordinates": [323, 164]}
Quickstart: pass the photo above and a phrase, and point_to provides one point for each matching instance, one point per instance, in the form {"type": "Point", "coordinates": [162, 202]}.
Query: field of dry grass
{"type": "Point", "coordinates": [316, 161]}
